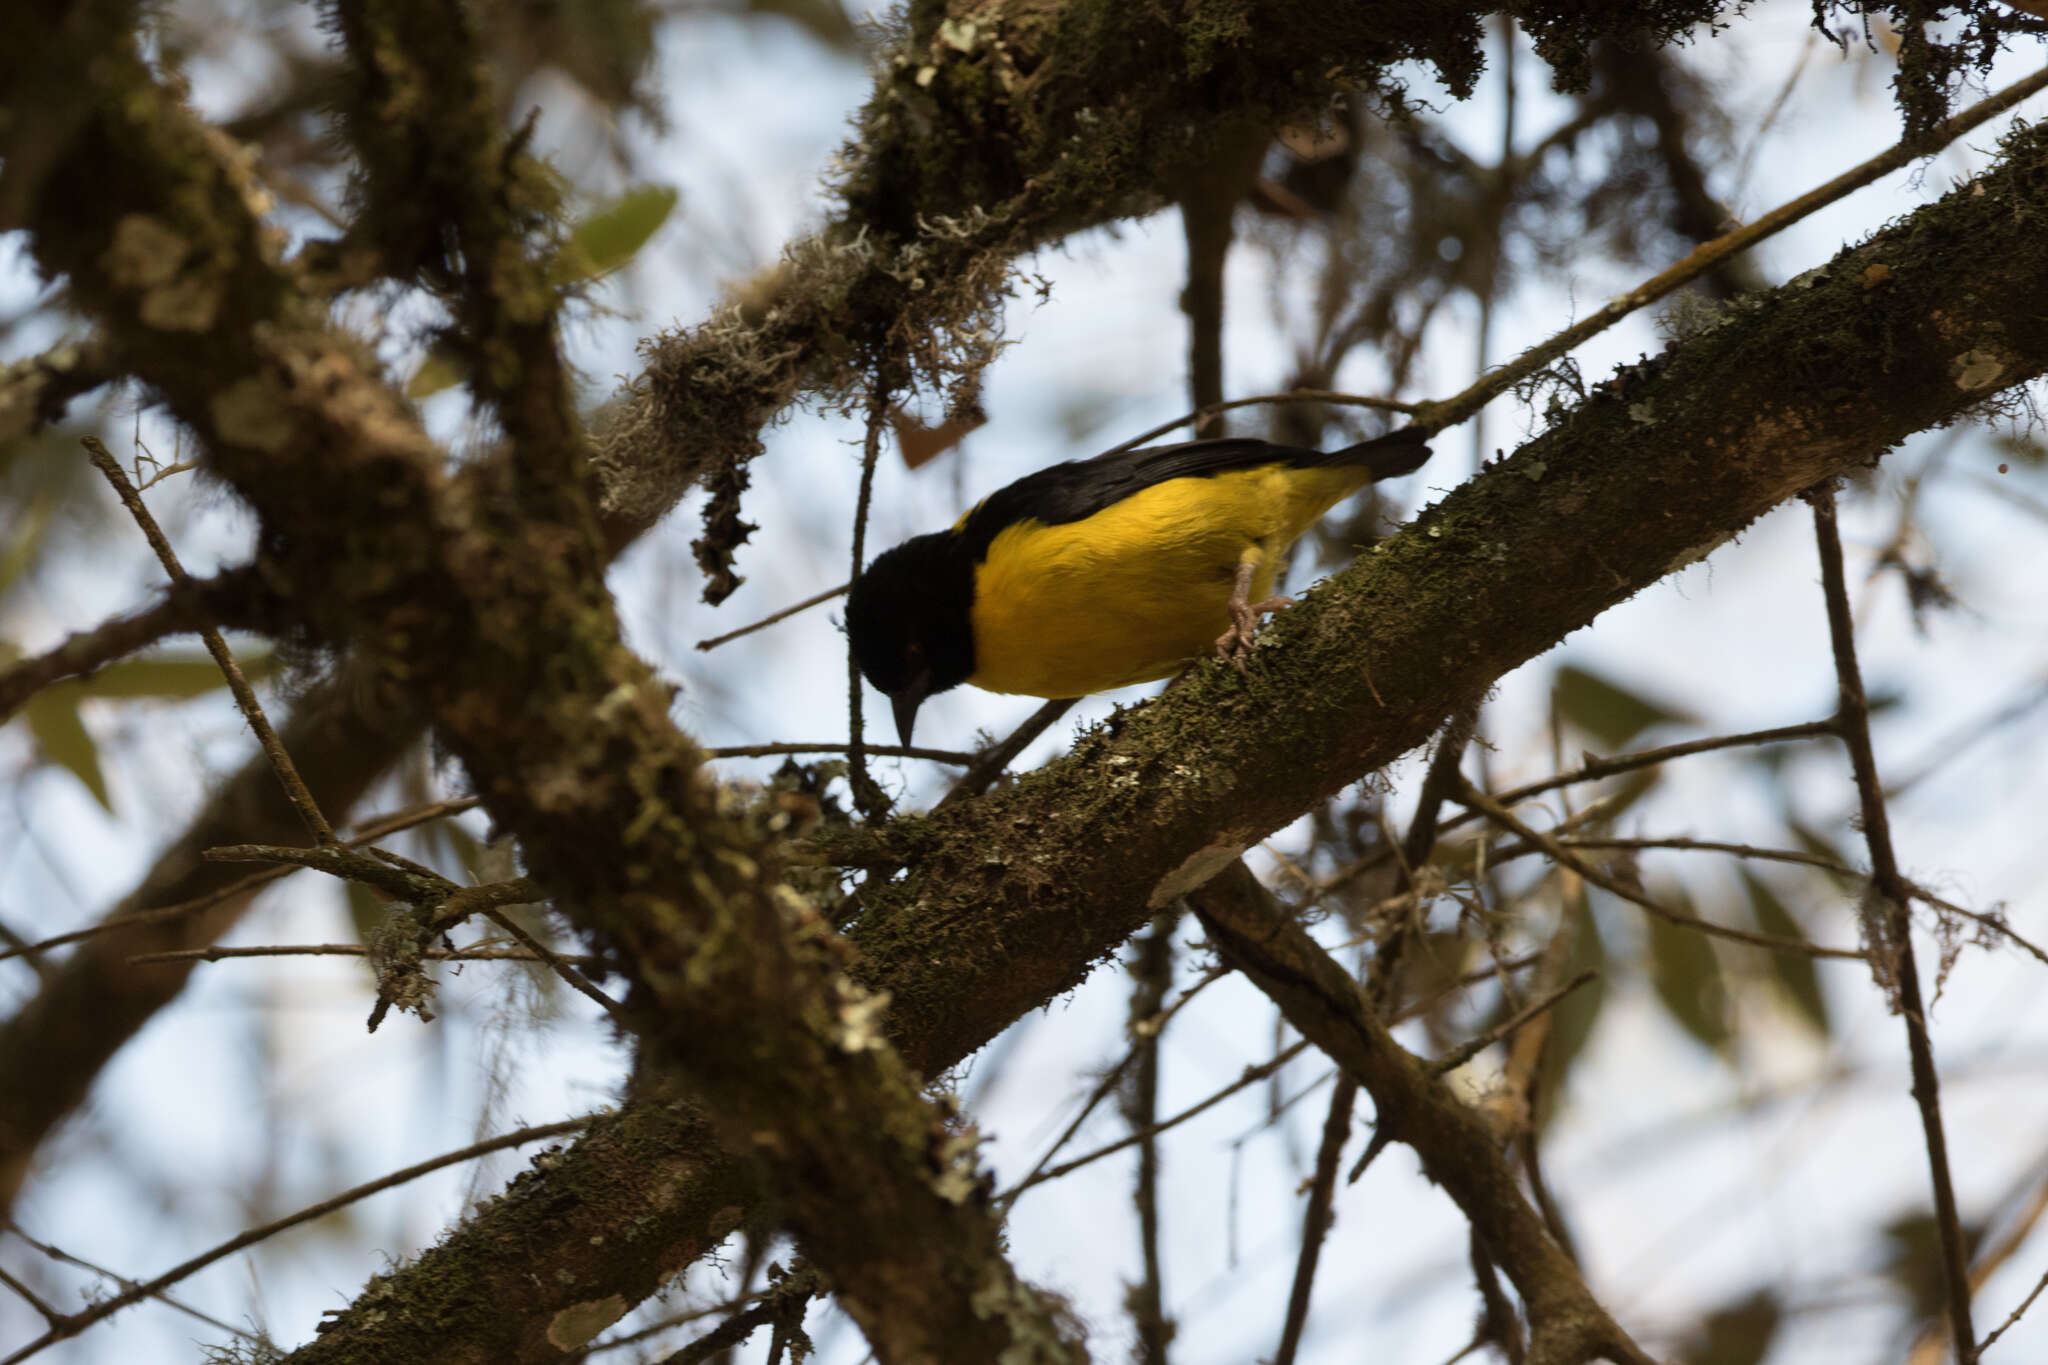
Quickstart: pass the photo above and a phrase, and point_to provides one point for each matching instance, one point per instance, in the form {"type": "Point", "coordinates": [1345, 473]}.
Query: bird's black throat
{"type": "Point", "coordinates": [908, 619]}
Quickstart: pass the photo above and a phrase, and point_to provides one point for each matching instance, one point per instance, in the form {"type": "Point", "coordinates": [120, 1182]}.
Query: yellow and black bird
{"type": "Point", "coordinates": [1099, 573]}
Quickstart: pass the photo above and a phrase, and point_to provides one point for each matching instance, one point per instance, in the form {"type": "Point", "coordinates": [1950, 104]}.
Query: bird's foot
{"type": "Point", "coordinates": [1234, 646]}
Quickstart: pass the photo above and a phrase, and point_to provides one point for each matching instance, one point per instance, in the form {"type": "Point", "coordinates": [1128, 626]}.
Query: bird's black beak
{"type": "Point", "coordinates": [906, 699]}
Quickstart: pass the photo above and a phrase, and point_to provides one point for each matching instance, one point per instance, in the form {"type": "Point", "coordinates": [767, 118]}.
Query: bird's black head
{"type": "Point", "coordinates": [907, 619]}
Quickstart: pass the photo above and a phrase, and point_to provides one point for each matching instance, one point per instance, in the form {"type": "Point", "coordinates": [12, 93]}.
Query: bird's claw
{"type": "Point", "coordinates": [1234, 646]}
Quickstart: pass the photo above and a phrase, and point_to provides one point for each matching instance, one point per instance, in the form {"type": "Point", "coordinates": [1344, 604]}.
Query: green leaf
{"type": "Point", "coordinates": [1794, 973]}
{"type": "Point", "coordinates": [1572, 1019]}
{"type": "Point", "coordinates": [1914, 1262]}
{"type": "Point", "coordinates": [1739, 1333]}
{"type": "Point", "coordinates": [1820, 846]}
{"type": "Point", "coordinates": [610, 235]}
{"type": "Point", "coordinates": [436, 373]}
{"type": "Point", "coordinates": [22, 544]}
{"type": "Point", "coordinates": [1607, 711]}
{"type": "Point", "coordinates": [1430, 969]}
{"type": "Point", "coordinates": [1687, 974]}
{"type": "Point", "coordinates": [1628, 789]}
{"type": "Point", "coordinates": [61, 736]}
{"type": "Point", "coordinates": [175, 675]}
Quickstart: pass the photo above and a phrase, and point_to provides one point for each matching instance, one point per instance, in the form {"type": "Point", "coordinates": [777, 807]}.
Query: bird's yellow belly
{"type": "Point", "coordinates": [1136, 591]}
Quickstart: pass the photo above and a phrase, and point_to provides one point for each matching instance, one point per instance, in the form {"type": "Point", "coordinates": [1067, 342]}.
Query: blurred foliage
{"type": "Point", "coordinates": [52, 715]}
{"type": "Point", "coordinates": [1739, 1333]}
{"type": "Point", "coordinates": [1686, 972]}
{"type": "Point", "coordinates": [1572, 1020]}
{"type": "Point", "coordinates": [1797, 976]}
{"type": "Point", "coordinates": [1608, 711]}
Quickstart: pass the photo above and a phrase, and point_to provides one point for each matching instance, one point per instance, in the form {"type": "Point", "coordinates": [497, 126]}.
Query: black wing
{"type": "Point", "coordinates": [1080, 488]}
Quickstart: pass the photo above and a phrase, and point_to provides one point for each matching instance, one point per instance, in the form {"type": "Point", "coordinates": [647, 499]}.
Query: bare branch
{"type": "Point", "coordinates": [1564, 857]}
{"type": "Point", "coordinates": [71, 1324]}
{"type": "Point", "coordinates": [773, 617]}
{"type": "Point", "coordinates": [1458, 1148]}
{"type": "Point", "coordinates": [1887, 919]}
{"type": "Point", "coordinates": [245, 695]}
{"type": "Point", "coordinates": [1437, 416]}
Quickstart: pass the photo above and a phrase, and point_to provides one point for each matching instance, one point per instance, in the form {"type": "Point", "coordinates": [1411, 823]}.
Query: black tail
{"type": "Point", "coordinates": [1388, 457]}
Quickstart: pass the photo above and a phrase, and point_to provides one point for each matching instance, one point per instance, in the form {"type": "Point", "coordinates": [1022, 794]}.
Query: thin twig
{"type": "Point", "coordinates": [873, 751]}
{"type": "Point", "coordinates": [1889, 924]}
{"type": "Point", "coordinates": [868, 797]}
{"type": "Point", "coordinates": [1105, 1087]}
{"type": "Point", "coordinates": [1251, 1076]}
{"type": "Point", "coordinates": [1113, 1077]}
{"type": "Point", "coordinates": [1466, 1051]}
{"type": "Point", "coordinates": [989, 764]}
{"type": "Point", "coordinates": [1382, 985]}
{"type": "Point", "coordinates": [2017, 1314]}
{"type": "Point", "coordinates": [1564, 857]}
{"type": "Point", "coordinates": [1801, 858]}
{"type": "Point", "coordinates": [57, 1253]}
{"type": "Point", "coordinates": [87, 651]}
{"type": "Point", "coordinates": [70, 1325]}
{"type": "Point", "coordinates": [295, 789]}
{"type": "Point", "coordinates": [340, 861]}
{"type": "Point", "coordinates": [1152, 978]}
{"type": "Point", "coordinates": [577, 981]}
{"type": "Point", "coordinates": [371, 831]}
{"type": "Point", "coordinates": [1683, 844]}
{"type": "Point", "coordinates": [1592, 769]}
{"type": "Point", "coordinates": [220, 954]}
{"type": "Point", "coordinates": [732, 1305]}
{"type": "Point", "coordinates": [2014, 1233]}
{"type": "Point", "coordinates": [769, 620]}
{"type": "Point", "coordinates": [796, 1288]}
{"type": "Point", "coordinates": [1328, 396]}
{"type": "Point", "coordinates": [28, 1296]}
{"type": "Point", "coordinates": [1438, 416]}
{"type": "Point", "coordinates": [1317, 1214]}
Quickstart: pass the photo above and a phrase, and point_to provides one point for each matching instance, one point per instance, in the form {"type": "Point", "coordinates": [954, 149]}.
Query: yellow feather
{"type": "Point", "coordinates": [1135, 591]}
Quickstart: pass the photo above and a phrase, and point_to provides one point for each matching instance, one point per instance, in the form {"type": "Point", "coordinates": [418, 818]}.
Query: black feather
{"type": "Point", "coordinates": [1076, 489]}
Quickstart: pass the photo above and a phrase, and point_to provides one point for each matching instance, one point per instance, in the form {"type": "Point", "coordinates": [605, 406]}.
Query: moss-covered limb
{"type": "Point", "coordinates": [234, 599]}
{"type": "Point", "coordinates": [997, 126]}
{"type": "Point", "coordinates": [431, 190]}
{"type": "Point", "coordinates": [448, 199]}
{"type": "Point", "coordinates": [35, 390]}
{"type": "Point", "coordinates": [1459, 1149]}
{"type": "Point", "coordinates": [53, 1048]}
{"type": "Point", "coordinates": [500, 623]}
{"type": "Point", "coordinates": [1011, 898]}
{"type": "Point", "coordinates": [1006, 900]}
{"type": "Point", "coordinates": [566, 1251]}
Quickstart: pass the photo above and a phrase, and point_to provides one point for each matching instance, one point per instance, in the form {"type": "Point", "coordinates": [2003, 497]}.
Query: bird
{"type": "Point", "coordinates": [1097, 573]}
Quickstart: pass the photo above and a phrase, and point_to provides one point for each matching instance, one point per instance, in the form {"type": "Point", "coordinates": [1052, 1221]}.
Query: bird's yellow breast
{"type": "Point", "coordinates": [1131, 593]}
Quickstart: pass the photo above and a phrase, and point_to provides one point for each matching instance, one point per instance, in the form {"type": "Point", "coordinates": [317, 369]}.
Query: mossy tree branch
{"type": "Point", "coordinates": [1073, 140]}
{"type": "Point", "coordinates": [996, 128]}
{"type": "Point", "coordinates": [1010, 899]}
{"type": "Point", "coordinates": [1459, 1148]}
{"type": "Point", "coordinates": [493, 611]}
{"type": "Point", "coordinates": [745, 404]}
